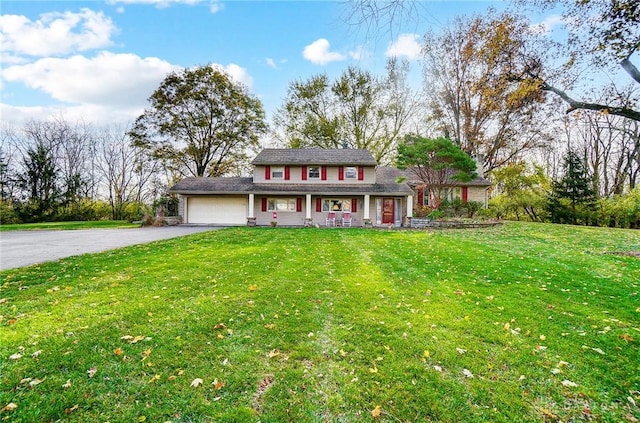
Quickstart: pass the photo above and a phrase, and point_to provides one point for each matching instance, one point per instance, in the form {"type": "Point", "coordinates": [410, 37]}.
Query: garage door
{"type": "Point", "coordinates": [217, 210]}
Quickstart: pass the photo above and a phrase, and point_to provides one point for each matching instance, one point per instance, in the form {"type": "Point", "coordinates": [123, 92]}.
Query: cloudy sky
{"type": "Point", "coordinates": [99, 61]}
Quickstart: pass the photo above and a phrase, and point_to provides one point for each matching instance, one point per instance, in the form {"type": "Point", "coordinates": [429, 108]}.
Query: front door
{"type": "Point", "coordinates": [388, 211]}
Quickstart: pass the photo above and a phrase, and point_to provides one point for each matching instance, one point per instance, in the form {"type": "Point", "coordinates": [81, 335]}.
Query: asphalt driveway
{"type": "Point", "coordinates": [24, 248]}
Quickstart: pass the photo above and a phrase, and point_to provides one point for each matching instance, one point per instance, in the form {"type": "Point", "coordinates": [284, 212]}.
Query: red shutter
{"type": "Point", "coordinates": [340, 173]}
{"type": "Point", "coordinates": [264, 204]}
{"type": "Point", "coordinates": [360, 173]}
{"type": "Point", "coordinates": [318, 204]}
{"type": "Point", "coordinates": [421, 195]}
{"type": "Point", "coordinates": [298, 205]}
{"type": "Point", "coordinates": [324, 173]}
{"type": "Point", "coordinates": [465, 194]}
{"type": "Point", "coordinates": [304, 173]}
{"type": "Point", "coordinates": [267, 172]}
{"type": "Point", "coordinates": [287, 173]}
{"type": "Point", "coordinates": [354, 205]}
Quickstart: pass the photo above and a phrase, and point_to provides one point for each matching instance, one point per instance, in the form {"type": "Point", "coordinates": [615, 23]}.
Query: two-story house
{"type": "Point", "coordinates": [301, 187]}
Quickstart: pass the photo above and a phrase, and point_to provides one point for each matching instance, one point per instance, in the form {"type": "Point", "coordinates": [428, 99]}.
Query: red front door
{"type": "Point", "coordinates": [388, 212]}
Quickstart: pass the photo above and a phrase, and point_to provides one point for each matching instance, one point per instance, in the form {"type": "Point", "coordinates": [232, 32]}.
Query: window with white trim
{"type": "Point", "coordinates": [334, 205]}
{"type": "Point", "coordinates": [277, 172]}
{"type": "Point", "coordinates": [350, 172]}
{"type": "Point", "coordinates": [281, 204]}
{"type": "Point", "coordinates": [314, 172]}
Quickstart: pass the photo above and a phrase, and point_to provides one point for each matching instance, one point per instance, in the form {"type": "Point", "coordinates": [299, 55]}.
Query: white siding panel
{"type": "Point", "coordinates": [217, 210]}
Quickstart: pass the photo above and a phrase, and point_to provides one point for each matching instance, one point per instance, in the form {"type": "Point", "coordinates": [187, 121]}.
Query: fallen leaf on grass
{"type": "Point", "coordinates": [253, 287]}
{"type": "Point", "coordinates": [9, 407]}
{"type": "Point", "coordinates": [72, 409]}
{"type": "Point", "coordinates": [467, 373]}
{"type": "Point", "coordinates": [598, 350]}
{"type": "Point", "coordinates": [35, 382]}
{"type": "Point", "coordinates": [569, 384]}
{"type": "Point", "coordinates": [92, 372]}
{"type": "Point", "coordinates": [218, 384]}
{"type": "Point", "coordinates": [154, 378]}
{"type": "Point", "coordinates": [461, 351]}
{"type": "Point", "coordinates": [67, 384]}
{"type": "Point", "coordinates": [36, 354]}
{"type": "Point", "coordinates": [196, 382]}
{"type": "Point", "coordinates": [437, 368]}
{"type": "Point", "coordinates": [16, 356]}
{"type": "Point", "coordinates": [626, 337]}
{"type": "Point", "coordinates": [219, 326]}
{"type": "Point", "coordinates": [375, 413]}
{"type": "Point", "coordinates": [118, 351]}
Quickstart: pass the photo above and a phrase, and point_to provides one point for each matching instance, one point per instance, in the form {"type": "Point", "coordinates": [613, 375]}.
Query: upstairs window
{"type": "Point", "coordinates": [314, 172]}
{"type": "Point", "coordinates": [350, 172]}
{"type": "Point", "coordinates": [277, 172]}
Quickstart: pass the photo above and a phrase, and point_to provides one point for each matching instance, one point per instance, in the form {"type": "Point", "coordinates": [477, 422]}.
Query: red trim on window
{"type": "Point", "coordinates": [304, 173]}
{"type": "Point", "coordinates": [340, 173]}
{"type": "Point", "coordinates": [465, 194]}
{"type": "Point", "coordinates": [354, 205]}
{"type": "Point", "coordinates": [298, 205]}
{"type": "Point", "coordinates": [360, 173]}
{"type": "Point", "coordinates": [287, 173]}
{"type": "Point", "coordinates": [267, 172]}
{"type": "Point", "coordinates": [318, 204]}
{"type": "Point", "coordinates": [421, 195]}
{"type": "Point", "coordinates": [264, 204]}
{"type": "Point", "coordinates": [324, 173]}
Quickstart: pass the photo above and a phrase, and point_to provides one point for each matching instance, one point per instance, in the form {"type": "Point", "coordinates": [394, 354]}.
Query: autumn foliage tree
{"type": "Point", "coordinates": [471, 98]}
{"type": "Point", "coordinates": [200, 122]}
{"type": "Point", "coordinates": [436, 163]}
{"type": "Point", "coordinates": [356, 110]}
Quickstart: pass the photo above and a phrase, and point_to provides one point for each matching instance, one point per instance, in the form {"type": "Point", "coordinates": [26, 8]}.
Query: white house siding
{"type": "Point", "coordinates": [478, 194]}
{"type": "Point", "coordinates": [295, 176]}
{"type": "Point", "coordinates": [216, 210]}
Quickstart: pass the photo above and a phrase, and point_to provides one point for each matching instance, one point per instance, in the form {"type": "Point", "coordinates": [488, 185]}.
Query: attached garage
{"type": "Point", "coordinates": [218, 210]}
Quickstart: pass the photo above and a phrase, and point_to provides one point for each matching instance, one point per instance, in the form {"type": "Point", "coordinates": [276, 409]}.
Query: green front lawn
{"type": "Point", "coordinates": [69, 225]}
{"type": "Point", "coordinates": [522, 322]}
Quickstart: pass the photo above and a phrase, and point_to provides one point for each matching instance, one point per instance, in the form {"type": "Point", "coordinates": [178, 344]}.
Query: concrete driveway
{"type": "Point", "coordinates": [24, 248]}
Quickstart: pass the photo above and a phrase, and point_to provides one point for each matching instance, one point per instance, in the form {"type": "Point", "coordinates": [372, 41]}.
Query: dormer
{"type": "Point", "coordinates": [314, 166]}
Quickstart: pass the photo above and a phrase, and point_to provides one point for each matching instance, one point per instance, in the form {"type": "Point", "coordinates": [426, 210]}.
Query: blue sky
{"type": "Point", "coordinates": [100, 60]}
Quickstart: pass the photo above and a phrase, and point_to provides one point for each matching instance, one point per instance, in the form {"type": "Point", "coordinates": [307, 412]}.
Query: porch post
{"type": "Point", "coordinates": [308, 221]}
{"type": "Point", "coordinates": [251, 219]}
{"type": "Point", "coordinates": [366, 206]}
{"type": "Point", "coordinates": [409, 205]}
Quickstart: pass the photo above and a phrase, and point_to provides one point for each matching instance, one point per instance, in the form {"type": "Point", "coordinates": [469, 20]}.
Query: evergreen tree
{"type": "Point", "coordinates": [572, 197]}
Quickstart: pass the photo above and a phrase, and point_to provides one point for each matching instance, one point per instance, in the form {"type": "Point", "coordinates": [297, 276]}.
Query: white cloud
{"type": "Point", "coordinates": [108, 79]}
{"type": "Point", "coordinates": [319, 53]}
{"type": "Point", "coordinates": [237, 73]}
{"type": "Point", "coordinates": [215, 6]}
{"type": "Point", "coordinates": [360, 53]}
{"type": "Point", "coordinates": [56, 33]}
{"type": "Point", "coordinates": [406, 45]}
{"type": "Point", "coordinates": [271, 63]}
{"type": "Point", "coordinates": [106, 88]}
{"type": "Point", "coordinates": [547, 25]}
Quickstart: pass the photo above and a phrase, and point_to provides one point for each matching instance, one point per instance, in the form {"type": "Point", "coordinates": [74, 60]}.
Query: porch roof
{"type": "Point", "coordinates": [240, 185]}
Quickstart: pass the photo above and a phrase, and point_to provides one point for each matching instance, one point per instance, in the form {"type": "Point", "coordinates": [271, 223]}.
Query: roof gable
{"type": "Point", "coordinates": [314, 156]}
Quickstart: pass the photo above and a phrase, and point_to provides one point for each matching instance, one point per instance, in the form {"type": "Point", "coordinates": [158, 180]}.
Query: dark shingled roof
{"type": "Point", "coordinates": [385, 184]}
{"type": "Point", "coordinates": [314, 156]}
{"type": "Point", "coordinates": [477, 182]}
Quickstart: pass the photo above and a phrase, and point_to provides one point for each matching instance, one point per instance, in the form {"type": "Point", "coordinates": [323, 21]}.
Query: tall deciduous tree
{"type": "Point", "coordinates": [436, 163]}
{"type": "Point", "coordinates": [358, 110]}
{"type": "Point", "coordinates": [603, 35]}
{"type": "Point", "coordinates": [471, 97]}
{"type": "Point", "coordinates": [201, 122]}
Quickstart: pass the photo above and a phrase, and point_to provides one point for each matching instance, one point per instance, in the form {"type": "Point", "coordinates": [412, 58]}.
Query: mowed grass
{"type": "Point", "coordinates": [92, 224]}
{"type": "Point", "coordinates": [517, 323]}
